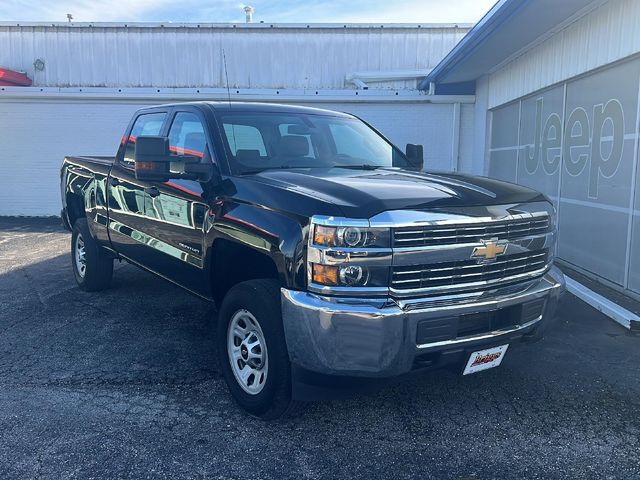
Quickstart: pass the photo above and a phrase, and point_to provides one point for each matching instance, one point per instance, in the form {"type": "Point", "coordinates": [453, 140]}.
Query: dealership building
{"type": "Point", "coordinates": [557, 88]}
{"type": "Point", "coordinates": [543, 93]}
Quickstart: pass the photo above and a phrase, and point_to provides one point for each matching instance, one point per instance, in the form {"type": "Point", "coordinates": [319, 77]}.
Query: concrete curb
{"type": "Point", "coordinates": [624, 317]}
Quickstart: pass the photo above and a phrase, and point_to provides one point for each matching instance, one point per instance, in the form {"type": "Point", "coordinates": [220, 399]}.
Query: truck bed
{"type": "Point", "coordinates": [91, 160]}
{"type": "Point", "coordinates": [81, 179]}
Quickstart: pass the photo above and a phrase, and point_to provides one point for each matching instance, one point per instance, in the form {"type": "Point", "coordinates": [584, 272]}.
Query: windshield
{"type": "Point", "coordinates": [263, 141]}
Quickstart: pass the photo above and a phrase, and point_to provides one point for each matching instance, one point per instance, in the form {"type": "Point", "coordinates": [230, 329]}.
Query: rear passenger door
{"type": "Point", "coordinates": [175, 211]}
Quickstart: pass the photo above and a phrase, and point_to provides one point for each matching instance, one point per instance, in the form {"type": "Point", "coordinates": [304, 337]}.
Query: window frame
{"type": "Point", "coordinates": [172, 117]}
{"type": "Point", "coordinates": [121, 159]}
{"type": "Point", "coordinates": [213, 156]}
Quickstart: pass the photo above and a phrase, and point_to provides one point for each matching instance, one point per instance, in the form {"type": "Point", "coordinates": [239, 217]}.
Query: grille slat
{"type": "Point", "coordinates": [466, 233]}
{"type": "Point", "coordinates": [471, 276]}
{"type": "Point", "coordinates": [533, 258]}
{"type": "Point", "coordinates": [467, 271]}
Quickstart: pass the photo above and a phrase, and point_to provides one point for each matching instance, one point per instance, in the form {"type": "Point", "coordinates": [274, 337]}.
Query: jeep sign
{"type": "Point", "coordinates": [576, 142]}
{"type": "Point", "coordinates": [578, 132]}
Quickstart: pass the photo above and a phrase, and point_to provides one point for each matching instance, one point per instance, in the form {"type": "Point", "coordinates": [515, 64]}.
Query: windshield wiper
{"type": "Point", "coordinates": [279, 167]}
{"type": "Point", "coordinates": [260, 170]}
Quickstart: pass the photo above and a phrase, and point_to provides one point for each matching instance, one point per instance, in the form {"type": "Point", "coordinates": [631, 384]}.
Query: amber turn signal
{"type": "Point", "coordinates": [324, 235]}
{"type": "Point", "coordinates": [146, 166]}
{"type": "Point", "coordinates": [325, 274]}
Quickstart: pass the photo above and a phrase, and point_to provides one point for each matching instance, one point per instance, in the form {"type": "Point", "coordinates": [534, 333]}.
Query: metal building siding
{"type": "Point", "coordinates": [191, 56]}
{"type": "Point", "coordinates": [606, 34]}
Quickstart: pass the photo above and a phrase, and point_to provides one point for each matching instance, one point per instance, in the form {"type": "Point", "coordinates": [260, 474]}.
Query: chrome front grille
{"type": "Point", "coordinates": [468, 274]}
{"type": "Point", "coordinates": [458, 233]}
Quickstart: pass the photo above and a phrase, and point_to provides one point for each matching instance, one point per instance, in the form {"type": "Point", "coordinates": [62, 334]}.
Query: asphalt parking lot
{"type": "Point", "coordinates": [124, 384]}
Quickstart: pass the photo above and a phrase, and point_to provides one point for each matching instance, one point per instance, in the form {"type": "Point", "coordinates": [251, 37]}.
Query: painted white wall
{"type": "Point", "coordinates": [476, 161]}
{"type": "Point", "coordinates": [35, 135]}
{"type": "Point", "coordinates": [604, 35]}
{"type": "Point", "coordinates": [467, 126]}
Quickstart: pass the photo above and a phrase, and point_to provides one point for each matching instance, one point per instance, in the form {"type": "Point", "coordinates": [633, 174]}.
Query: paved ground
{"type": "Point", "coordinates": [124, 384]}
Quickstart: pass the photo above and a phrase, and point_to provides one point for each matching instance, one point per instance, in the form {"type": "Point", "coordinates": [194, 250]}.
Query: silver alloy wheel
{"type": "Point", "coordinates": [81, 256]}
{"type": "Point", "coordinates": [247, 352]}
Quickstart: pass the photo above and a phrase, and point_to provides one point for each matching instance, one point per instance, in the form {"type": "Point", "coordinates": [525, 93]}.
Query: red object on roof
{"type": "Point", "coordinates": [10, 78]}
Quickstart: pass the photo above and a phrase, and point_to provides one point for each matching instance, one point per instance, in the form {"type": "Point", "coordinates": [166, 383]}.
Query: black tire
{"type": "Point", "coordinates": [98, 263]}
{"type": "Point", "coordinates": [261, 298]}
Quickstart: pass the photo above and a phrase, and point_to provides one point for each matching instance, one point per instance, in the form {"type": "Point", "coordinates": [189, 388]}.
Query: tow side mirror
{"type": "Point", "coordinates": [415, 154]}
{"type": "Point", "coordinates": [154, 162]}
{"type": "Point", "coordinates": [152, 158]}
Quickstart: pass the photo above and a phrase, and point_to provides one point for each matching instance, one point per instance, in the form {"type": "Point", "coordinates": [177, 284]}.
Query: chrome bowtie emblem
{"type": "Point", "coordinates": [490, 250]}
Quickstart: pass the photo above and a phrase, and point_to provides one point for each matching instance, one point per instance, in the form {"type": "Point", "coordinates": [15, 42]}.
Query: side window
{"type": "Point", "coordinates": [145, 124]}
{"type": "Point", "coordinates": [244, 138]}
{"type": "Point", "coordinates": [187, 135]}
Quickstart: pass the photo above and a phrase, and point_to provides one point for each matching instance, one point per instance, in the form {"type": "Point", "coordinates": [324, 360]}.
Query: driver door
{"type": "Point", "coordinates": [176, 210]}
{"type": "Point", "coordinates": [127, 195]}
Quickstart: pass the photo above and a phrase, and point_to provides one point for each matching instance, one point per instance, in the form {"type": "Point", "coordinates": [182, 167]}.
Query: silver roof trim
{"type": "Point", "coordinates": [250, 26]}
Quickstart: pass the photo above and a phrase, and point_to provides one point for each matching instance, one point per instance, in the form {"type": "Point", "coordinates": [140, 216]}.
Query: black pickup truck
{"type": "Point", "coordinates": [334, 260]}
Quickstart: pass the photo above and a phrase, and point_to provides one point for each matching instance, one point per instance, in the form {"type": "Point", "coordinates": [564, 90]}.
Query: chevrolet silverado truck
{"type": "Point", "coordinates": [334, 260]}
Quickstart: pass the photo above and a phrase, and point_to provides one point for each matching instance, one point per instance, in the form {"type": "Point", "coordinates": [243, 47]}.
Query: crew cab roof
{"type": "Point", "coordinates": [255, 107]}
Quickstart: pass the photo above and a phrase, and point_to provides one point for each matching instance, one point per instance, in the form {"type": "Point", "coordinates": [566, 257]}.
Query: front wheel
{"type": "Point", "coordinates": [252, 350]}
{"type": "Point", "coordinates": [92, 265]}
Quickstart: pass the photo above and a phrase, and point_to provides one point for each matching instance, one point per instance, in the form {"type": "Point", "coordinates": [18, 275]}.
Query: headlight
{"type": "Point", "coordinates": [353, 275]}
{"type": "Point", "coordinates": [348, 257]}
{"type": "Point", "coordinates": [349, 275]}
{"type": "Point", "coordinates": [351, 237]}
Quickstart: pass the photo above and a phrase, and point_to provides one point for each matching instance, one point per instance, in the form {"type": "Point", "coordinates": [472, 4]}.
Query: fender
{"type": "Point", "coordinates": [273, 235]}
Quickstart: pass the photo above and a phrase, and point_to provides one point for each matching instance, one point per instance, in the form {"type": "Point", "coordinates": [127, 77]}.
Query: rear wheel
{"type": "Point", "coordinates": [252, 350]}
{"type": "Point", "coordinates": [92, 265]}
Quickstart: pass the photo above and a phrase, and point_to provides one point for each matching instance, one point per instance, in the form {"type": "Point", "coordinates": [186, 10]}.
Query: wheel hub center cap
{"type": "Point", "coordinates": [247, 351]}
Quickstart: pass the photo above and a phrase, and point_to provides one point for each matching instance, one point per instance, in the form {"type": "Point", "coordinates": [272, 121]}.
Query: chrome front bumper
{"type": "Point", "coordinates": [377, 338]}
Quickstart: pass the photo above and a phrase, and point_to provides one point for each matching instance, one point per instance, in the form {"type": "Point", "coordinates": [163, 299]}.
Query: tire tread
{"type": "Point", "coordinates": [267, 291]}
{"type": "Point", "coordinates": [99, 271]}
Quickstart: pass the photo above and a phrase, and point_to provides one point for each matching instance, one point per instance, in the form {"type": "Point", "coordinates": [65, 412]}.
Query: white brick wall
{"type": "Point", "coordinates": [34, 139]}
{"type": "Point", "coordinates": [37, 134]}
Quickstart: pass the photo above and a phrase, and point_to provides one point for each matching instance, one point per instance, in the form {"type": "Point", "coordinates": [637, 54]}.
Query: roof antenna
{"type": "Point", "coordinates": [226, 76]}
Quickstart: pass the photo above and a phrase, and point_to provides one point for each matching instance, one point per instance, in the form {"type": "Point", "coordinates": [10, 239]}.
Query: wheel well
{"type": "Point", "coordinates": [75, 208]}
{"type": "Point", "coordinates": [233, 263]}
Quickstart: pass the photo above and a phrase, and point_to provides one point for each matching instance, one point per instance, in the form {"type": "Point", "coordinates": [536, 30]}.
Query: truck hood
{"type": "Point", "coordinates": [365, 193]}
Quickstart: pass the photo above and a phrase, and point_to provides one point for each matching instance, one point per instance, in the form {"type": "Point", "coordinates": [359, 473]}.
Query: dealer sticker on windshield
{"type": "Point", "coordinates": [484, 359]}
